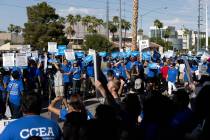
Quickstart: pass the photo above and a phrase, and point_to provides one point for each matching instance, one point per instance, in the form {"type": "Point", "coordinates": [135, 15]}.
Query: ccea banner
{"type": "Point", "coordinates": [21, 60]}
{"type": "Point", "coordinates": [52, 47]}
{"type": "Point", "coordinates": [8, 59]}
{"type": "Point", "coordinates": [69, 54]}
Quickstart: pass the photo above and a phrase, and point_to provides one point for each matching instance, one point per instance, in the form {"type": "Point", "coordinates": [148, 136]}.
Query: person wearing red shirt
{"type": "Point", "coordinates": [164, 71]}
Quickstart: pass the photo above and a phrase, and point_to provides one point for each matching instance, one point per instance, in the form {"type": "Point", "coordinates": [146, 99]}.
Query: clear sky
{"type": "Point", "coordinates": [178, 13]}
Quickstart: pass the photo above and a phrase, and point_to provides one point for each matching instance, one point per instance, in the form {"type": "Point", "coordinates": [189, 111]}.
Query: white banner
{"type": "Point", "coordinates": [69, 54]}
{"type": "Point", "coordinates": [95, 62]}
{"type": "Point", "coordinates": [34, 54]}
{"type": "Point", "coordinates": [4, 123]}
{"type": "Point", "coordinates": [21, 59]}
{"type": "Point", "coordinates": [52, 47]}
{"type": "Point", "coordinates": [143, 44]}
{"type": "Point", "coordinates": [8, 59]}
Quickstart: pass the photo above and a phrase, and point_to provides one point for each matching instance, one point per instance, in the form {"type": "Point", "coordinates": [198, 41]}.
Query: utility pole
{"type": "Point", "coordinates": [107, 18]}
{"type": "Point", "coordinates": [199, 24]}
{"type": "Point", "coordinates": [207, 34]}
{"type": "Point", "coordinates": [120, 28]}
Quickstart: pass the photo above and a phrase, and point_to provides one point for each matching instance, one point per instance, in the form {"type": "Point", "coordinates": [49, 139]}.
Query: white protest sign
{"type": "Point", "coordinates": [69, 54]}
{"type": "Point", "coordinates": [143, 44]}
{"type": "Point", "coordinates": [34, 54]}
{"type": "Point", "coordinates": [4, 123]}
{"type": "Point", "coordinates": [21, 59]}
{"type": "Point", "coordinates": [52, 47]}
{"type": "Point", "coordinates": [8, 59]}
{"type": "Point", "coordinates": [95, 62]}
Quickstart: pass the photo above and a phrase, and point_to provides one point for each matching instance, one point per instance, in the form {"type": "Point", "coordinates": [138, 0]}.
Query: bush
{"type": "Point", "coordinates": [97, 42]}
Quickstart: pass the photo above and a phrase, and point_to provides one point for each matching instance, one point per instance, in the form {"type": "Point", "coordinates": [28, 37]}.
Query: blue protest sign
{"type": "Point", "coordinates": [146, 55]}
{"type": "Point", "coordinates": [61, 49]}
{"type": "Point", "coordinates": [79, 54]}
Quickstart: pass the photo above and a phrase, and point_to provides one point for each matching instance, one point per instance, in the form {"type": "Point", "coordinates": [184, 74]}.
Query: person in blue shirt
{"type": "Point", "coordinates": [2, 98]}
{"type": "Point", "coordinates": [76, 75]}
{"type": "Point", "coordinates": [6, 78]}
{"type": "Point", "coordinates": [75, 105]}
{"type": "Point", "coordinates": [122, 69]}
{"type": "Point", "coordinates": [32, 124]}
{"type": "Point", "coordinates": [65, 67]}
{"type": "Point", "coordinates": [172, 77]}
{"type": "Point", "coordinates": [90, 75]}
{"type": "Point", "coordinates": [15, 89]}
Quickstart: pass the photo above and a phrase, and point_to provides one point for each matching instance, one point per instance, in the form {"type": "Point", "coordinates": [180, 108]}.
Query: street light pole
{"type": "Point", "coordinates": [107, 18]}
{"type": "Point", "coordinates": [207, 35]}
{"type": "Point", "coordinates": [120, 28]}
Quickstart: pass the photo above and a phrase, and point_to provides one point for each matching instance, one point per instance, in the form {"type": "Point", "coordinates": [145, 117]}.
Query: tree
{"type": "Point", "coordinates": [167, 34]}
{"type": "Point", "coordinates": [11, 28]}
{"type": "Point", "coordinates": [17, 29]}
{"type": "Point", "coordinates": [166, 45]}
{"type": "Point", "coordinates": [112, 29]}
{"type": "Point", "coordinates": [126, 26]}
{"type": "Point", "coordinates": [115, 20]}
{"type": "Point", "coordinates": [135, 23]}
{"type": "Point", "coordinates": [43, 26]}
{"type": "Point", "coordinates": [77, 21]}
{"type": "Point", "coordinates": [97, 42]}
{"type": "Point", "coordinates": [158, 25]}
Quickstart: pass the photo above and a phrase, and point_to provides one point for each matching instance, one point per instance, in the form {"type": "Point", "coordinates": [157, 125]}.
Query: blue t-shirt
{"type": "Point", "coordinates": [31, 125]}
{"type": "Point", "coordinates": [208, 68]}
{"type": "Point", "coordinates": [76, 72]}
{"type": "Point", "coordinates": [130, 64]}
{"type": "Point", "coordinates": [64, 112]}
{"type": "Point", "coordinates": [150, 73]}
{"type": "Point", "coordinates": [116, 71]}
{"type": "Point", "coordinates": [15, 88]}
{"type": "Point", "coordinates": [38, 72]}
{"type": "Point", "coordinates": [172, 74]}
{"type": "Point", "coordinates": [90, 71]}
{"type": "Point", "coordinates": [122, 71]}
{"type": "Point", "coordinates": [6, 79]}
{"type": "Point", "coordinates": [66, 69]}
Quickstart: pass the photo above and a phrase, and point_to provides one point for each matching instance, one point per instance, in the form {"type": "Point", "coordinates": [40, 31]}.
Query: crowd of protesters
{"type": "Point", "coordinates": [156, 99]}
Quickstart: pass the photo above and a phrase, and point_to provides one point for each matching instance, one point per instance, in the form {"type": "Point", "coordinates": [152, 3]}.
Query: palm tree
{"type": "Point", "coordinates": [70, 32]}
{"type": "Point", "coordinates": [61, 20]}
{"type": "Point", "coordinates": [135, 23]}
{"type": "Point", "coordinates": [17, 29]}
{"type": "Point", "coordinates": [71, 20]}
{"type": "Point", "coordinates": [11, 28]}
{"type": "Point", "coordinates": [77, 21]}
{"type": "Point", "coordinates": [115, 20]}
{"type": "Point", "coordinates": [112, 29]}
{"type": "Point", "coordinates": [126, 26]}
{"type": "Point", "coordinates": [167, 34]}
{"type": "Point", "coordinates": [158, 25]}
{"type": "Point", "coordinates": [100, 23]}
{"type": "Point", "coordinates": [84, 23]}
